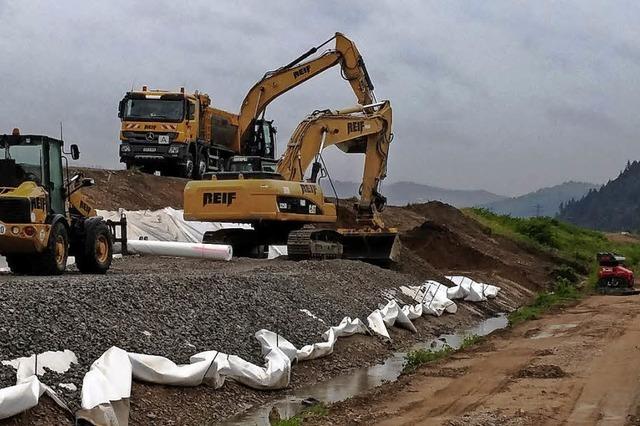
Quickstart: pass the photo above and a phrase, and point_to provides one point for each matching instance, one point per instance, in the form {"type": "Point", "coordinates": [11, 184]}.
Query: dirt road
{"type": "Point", "coordinates": [577, 367]}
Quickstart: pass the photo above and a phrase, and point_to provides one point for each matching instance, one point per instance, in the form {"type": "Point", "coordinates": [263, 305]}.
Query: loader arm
{"type": "Point", "coordinates": [360, 130]}
{"type": "Point", "coordinates": [275, 83]}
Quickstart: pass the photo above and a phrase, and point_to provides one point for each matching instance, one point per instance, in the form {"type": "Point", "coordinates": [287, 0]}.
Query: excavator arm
{"type": "Point", "coordinates": [359, 130]}
{"type": "Point", "coordinates": [277, 82]}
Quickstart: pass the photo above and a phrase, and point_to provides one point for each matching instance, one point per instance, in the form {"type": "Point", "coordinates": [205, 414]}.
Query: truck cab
{"type": "Point", "coordinates": [180, 134]}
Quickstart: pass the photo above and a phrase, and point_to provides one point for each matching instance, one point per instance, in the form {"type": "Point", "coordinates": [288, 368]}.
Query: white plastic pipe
{"type": "Point", "coordinates": [172, 248]}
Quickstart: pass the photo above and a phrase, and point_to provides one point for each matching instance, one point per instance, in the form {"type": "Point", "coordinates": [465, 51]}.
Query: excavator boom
{"type": "Point", "coordinates": [277, 82]}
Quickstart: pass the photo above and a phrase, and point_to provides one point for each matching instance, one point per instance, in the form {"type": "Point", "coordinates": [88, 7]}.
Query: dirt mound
{"type": "Point", "coordinates": [132, 190]}
{"type": "Point", "coordinates": [453, 242]}
{"type": "Point", "coordinates": [438, 212]}
{"type": "Point", "coordinates": [542, 372]}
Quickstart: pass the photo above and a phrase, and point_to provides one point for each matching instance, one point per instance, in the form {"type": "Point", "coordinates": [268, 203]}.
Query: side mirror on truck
{"type": "Point", "coordinates": [75, 152]}
{"type": "Point", "coordinates": [121, 108]}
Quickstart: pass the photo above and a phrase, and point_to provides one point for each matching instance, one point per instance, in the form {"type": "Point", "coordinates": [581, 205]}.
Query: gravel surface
{"type": "Point", "coordinates": [177, 307]}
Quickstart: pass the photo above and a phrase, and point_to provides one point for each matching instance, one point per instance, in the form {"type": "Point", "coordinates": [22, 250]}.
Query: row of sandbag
{"type": "Point", "coordinates": [107, 385]}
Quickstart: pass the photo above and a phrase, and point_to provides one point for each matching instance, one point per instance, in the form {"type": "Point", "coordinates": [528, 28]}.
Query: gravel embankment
{"type": "Point", "coordinates": [178, 307]}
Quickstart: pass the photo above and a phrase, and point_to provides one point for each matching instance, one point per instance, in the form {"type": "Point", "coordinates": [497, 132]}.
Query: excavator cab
{"type": "Point", "coordinates": [261, 140]}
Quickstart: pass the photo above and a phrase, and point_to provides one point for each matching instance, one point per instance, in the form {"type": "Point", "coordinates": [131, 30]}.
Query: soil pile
{"type": "Point", "coordinates": [451, 241]}
{"type": "Point", "coordinates": [132, 190]}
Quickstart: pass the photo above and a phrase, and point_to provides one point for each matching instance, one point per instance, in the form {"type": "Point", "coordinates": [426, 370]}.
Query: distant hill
{"type": "Point", "coordinates": [614, 207]}
{"type": "Point", "coordinates": [402, 193]}
{"type": "Point", "coordinates": [544, 202]}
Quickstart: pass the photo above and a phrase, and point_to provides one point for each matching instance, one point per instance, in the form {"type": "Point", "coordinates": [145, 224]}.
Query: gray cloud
{"type": "Point", "coordinates": [506, 96]}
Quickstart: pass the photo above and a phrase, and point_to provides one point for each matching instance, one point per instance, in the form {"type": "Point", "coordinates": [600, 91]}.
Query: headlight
{"type": "Point", "coordinates": [174, 149]}
{"type": "Point", "coordinates": [125, 148]}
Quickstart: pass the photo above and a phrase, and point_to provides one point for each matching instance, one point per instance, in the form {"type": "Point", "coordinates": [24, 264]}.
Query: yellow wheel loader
{"type": "Point", "coordinates": [285, 208]}
{"type": "Point", "coordinates": [43, 216]}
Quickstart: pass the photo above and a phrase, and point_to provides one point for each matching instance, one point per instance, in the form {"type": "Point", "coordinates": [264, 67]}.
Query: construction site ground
{"type": "Point", "coordinates": [578, 366]}
{"type": "Point", "coordinates": [178, 307]}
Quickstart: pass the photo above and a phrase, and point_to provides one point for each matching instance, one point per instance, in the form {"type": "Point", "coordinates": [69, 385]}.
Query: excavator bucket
{"type": "Point", "coordinates": [378, 247]}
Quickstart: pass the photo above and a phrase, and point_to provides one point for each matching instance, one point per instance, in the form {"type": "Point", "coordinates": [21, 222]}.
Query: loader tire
{"type": "Point", "coordinates": [95, 251]}
{"type": "Point", "coordinates": [19, 264]}
{"type": "Point", "coordinates": [53, 261]}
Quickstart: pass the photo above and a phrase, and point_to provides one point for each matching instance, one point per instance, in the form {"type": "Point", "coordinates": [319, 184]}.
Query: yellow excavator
{"type": "Point", "coordinates": [284, 207]}
{"type": "Point", "coordinates": [181, 133]}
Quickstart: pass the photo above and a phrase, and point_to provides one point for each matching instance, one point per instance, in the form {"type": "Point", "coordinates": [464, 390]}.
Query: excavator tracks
{"type": "Point", "coordinates": [312, 243]}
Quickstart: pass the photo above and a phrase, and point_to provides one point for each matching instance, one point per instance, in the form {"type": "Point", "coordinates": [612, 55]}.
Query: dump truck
{"type": "Point", "coordinates": [181, 134]}
{"type": "Point", "coordinates": [44, 218]}
{"type": "Point", "coordinates": [177, 133]}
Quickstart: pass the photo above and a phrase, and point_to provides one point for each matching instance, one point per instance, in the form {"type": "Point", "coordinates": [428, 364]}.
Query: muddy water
{"type": "Point", "coordinates": [357, 381]}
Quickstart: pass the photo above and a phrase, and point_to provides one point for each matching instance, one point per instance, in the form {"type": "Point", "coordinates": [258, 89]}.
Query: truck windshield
{"type": "Point", "coordinates": [28, 160]}
{"type": "Point", "coordinates": [154, 110]}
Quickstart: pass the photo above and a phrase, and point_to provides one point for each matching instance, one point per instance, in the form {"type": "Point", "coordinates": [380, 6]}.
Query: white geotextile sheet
{"type": "Point", "coordinates": [432, 298]}
{"type": "Point", "coordinates": [167, 224]}
{"type": "Point", "coordinates": [26, 393]}
{"type": "Point", "coordinates": [470, 290]}
{"type": "Point", "coordinates": [107, 386]}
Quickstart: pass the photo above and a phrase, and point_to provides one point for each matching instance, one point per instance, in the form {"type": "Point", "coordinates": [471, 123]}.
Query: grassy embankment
{"type": "Point", "coordinates": [574, 247]}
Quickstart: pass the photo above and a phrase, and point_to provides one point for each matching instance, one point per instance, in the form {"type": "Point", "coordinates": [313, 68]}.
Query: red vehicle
{"type": "Point", "coordinates": [613, 276]}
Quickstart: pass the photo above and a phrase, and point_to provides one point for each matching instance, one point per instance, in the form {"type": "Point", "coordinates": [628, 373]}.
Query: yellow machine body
{"type": "Point", "coordinates": [256, 200]}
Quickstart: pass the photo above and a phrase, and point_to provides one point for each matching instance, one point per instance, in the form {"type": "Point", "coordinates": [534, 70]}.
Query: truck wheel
{"type": "Point", "coordinates": [203, 165]}
{"type": "Point", "coordinates": [186, 169]}
{"type": "Point", "coordinates": [19, 264]}
{"type": "Point", "coordinates": [95, 252]}
{"type": "Point", "coordinates": [53, 261]}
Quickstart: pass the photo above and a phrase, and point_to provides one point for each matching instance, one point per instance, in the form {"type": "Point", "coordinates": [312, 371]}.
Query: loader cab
{"type": "Point", "coordinates": [37, 159]}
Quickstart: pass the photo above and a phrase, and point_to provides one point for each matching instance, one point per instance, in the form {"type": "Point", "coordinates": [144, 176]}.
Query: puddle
{"type": "Point", "coordinates": [58, 361]}
{"type": "Point", "coordinates": [357, 381]}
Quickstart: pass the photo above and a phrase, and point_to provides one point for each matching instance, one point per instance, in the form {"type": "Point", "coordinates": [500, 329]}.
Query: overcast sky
{"type": "Point", "coordinates": [498, 95]}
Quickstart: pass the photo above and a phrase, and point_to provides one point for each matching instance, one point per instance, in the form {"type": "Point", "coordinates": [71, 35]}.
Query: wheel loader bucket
{"type": "Point", "coordinates": [378, 247]}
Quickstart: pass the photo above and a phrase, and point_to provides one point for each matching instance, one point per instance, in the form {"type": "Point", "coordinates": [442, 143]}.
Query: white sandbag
{"type": "Point", "coordinates": [476, 292]}
{"type": "Point", "coordinates": [375, 322]}
{"type": "Point", "coordinates": [28, 389]}
{"type": "Point", "coordinates": [204, 367]}
{"type": "Point", "coordinates": [432, 295]}
{"type": "Point", "coordinates": [275, 375]}
{"type": "Point", "coordinates": [108, 379]}
{"type": "Point", "coordinates": [347, 327]}
{"type": "Point", "coordinates": [412, 311]}
{"type": "Point", "coordinates": [393, 315]}
{"type": "Point", "coordinates": [169, 248]}
{"type": "Point", "coordinates": [269, 339]}
{"type": "Point", "coordinates": [21, 397]}
{"type": "Point", "coordinates": [457, 292]}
